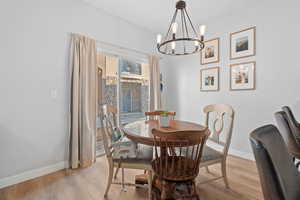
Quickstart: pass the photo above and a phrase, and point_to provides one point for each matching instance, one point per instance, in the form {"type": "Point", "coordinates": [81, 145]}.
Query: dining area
{"type": "Point", "coordinates": [168, 153]}
{"type": "Point", "coordinates": [150, 100]}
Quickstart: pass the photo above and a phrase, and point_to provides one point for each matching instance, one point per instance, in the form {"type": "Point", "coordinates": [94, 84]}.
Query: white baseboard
{"type": "Point", "coordinates": [248, 156]}
{"type": "Point", "coordinates": [31, 174]}
{"type": "Point", "coordinates": [11, 180]}
{"type": "Point", "coordinates": [234, 152]}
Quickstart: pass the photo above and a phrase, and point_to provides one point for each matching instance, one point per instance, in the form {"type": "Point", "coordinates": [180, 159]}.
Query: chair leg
{"type": "Point", "coordinates": [163, 190]}
{"type": "Point", "coordinates": [123, 181]}
{"type": "Point", "coordinates": [195, 193]}
{"type": "Point", "coordinates": [110, 177]}
{"type": "Point", "coordinates": [116, 173]}
{"type": "Point", "coordinates": [150, 184]}
{"type": "Point", "coordinates": [207, 170]}
{"type": "Point", "coordinates": [223, 166]}
{"type": "Point", "coordinates": [298, 164]}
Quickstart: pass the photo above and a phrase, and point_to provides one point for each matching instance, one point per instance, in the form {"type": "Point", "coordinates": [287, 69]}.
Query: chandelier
{"type": "Point", "coordinates": [181, 38]}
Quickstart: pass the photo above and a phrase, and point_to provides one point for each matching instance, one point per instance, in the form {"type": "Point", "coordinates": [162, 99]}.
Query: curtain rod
{"type": "Point", "coordinates": [125, 48]}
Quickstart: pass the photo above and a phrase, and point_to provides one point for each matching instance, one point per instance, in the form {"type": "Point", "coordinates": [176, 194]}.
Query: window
{"type": "Point", "coordinates": [129, 67]}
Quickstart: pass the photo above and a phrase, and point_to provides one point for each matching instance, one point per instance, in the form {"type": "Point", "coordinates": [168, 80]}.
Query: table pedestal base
{"type": "Point", "coordinates": [141, 179]}
{"type": "Point", "coordinates": [169, 190]}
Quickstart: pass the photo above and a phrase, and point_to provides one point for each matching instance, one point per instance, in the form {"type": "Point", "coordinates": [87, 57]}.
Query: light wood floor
{"type": "Point", "coordinates": [89, 184]}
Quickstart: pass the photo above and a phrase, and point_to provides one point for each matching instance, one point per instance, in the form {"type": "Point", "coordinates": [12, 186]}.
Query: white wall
{"type": "Point", "coordinates": [278, 70]}
{"type": "Point", "coordinates": [34, 46]}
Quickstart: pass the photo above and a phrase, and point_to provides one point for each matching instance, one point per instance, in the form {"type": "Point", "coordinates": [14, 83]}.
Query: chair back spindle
{"type": "Point", "coordinates": [109, 123]}
{"type": "Point", "coordinates": [215, 120]}
{"type": "Point", "coordinates": [178, 154]}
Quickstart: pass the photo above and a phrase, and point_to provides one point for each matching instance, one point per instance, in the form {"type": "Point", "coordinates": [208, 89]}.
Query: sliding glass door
{"type": "Point", "coordinates": [125, 85]}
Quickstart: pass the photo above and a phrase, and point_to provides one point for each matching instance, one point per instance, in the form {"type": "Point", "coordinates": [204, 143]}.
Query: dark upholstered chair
{"type": "Point", "coordinates": [287, 134]}
{"type": "Point", "coordinates": [294, 125]}
{"type": "Point", "coordinates": [279, 177]}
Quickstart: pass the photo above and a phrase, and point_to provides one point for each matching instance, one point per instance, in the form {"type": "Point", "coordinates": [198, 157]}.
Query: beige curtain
{"type": "Point", "coordinates": [83, 108]}
{"type": "Point", "coordinates": [155, 98]}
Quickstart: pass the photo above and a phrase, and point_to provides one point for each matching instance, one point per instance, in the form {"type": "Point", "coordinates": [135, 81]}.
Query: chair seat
{"type": "Point", "coordinates": [144, 156]}
{"type": "Point", "coordinates": [210, 154]}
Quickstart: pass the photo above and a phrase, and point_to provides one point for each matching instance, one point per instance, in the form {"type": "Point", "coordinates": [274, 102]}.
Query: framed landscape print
{"type": "Point", "coordinates": [242, 76]}
{"type": "Point", "coordinates": [210, 53]}
{"type": "Point", "coordinates": [209, 79]}
{"type": "Point", "coordinates": [242, 43]}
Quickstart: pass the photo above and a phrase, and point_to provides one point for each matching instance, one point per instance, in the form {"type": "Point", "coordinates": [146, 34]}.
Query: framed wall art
{"type": "Point", "coordinates": [242, 76]}
{"type": "Point", "coordinates": [211, 52]}
{"type": "Point", "coordinates": [243, 43]}
{"type": "Point", "coordinates": [209, 79]}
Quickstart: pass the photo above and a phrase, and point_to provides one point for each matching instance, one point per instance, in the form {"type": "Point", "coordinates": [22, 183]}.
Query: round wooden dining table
{"type": "Point", "coordinates": [141, 131]}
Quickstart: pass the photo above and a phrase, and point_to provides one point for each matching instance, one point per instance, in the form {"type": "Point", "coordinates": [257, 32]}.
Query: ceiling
{"type": "Point", "coordinates": [155, 15]}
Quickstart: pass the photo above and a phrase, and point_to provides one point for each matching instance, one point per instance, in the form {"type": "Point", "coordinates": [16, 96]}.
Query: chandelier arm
{"type": "Point", "coordinates": [179, 39]}
{"type": "Point", "coordinates": [191, 23]}
{"type": "Point", "coordinates": [183, 31]}
{"type": "Point", "coordinates": [179, 54]}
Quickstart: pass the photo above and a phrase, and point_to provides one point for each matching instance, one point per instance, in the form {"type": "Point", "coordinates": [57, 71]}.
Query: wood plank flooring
{"type": "Point", "coordinates": [89, 184]}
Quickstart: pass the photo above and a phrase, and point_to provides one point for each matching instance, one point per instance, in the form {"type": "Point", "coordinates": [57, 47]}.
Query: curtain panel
{"type": "Point", "coordinates": [83, 108]}
{"type": "Point", "coordinates": [155, 95]}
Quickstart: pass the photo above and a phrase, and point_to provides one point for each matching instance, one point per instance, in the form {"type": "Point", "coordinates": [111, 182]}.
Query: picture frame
{"type": "Point", "coordinates": [243, 43]}
{"type": "Point", "coordinates": [243, 76]}
{"type": "Point", "coordinates": [211, 52]}
{"type": "Point", "coordinates": [210, 79]}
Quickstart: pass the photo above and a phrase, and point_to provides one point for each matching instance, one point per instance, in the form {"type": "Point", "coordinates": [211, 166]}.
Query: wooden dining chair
{"type": "Point", "coordinates": [142, 159]}
{"type": "Point", "coordinates": [153, 115]}
{"type": "Point", "coordinates": [172, 168]}
{"type": "Point", "coordinates": [221, 133]}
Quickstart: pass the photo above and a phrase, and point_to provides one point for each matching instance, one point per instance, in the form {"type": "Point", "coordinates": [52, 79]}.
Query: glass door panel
{"type": "Point", "coordinates": [124, 84]}
{"type": "Point", "coordinates": [134, 90]}
{"type": "Point", "coordinates": [108, 90]}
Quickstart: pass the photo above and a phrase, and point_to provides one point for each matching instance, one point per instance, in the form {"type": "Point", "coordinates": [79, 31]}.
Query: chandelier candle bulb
{"type": "Point", "coordinates": [158, 38]}
{"type": "Point", "coordinates": [202, 30]}
{"type": "Point", "coordinates": [173, 45]}
{"type": "Point", "coordinates": [174, 27]}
